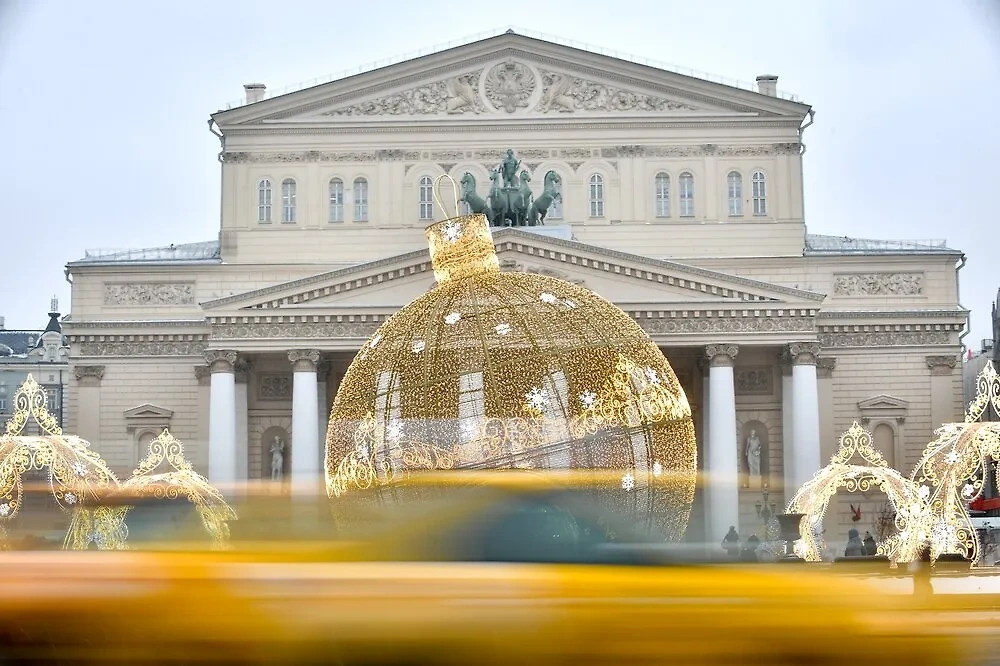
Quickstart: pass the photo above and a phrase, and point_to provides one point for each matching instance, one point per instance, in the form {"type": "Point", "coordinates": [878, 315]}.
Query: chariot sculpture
{"type": "Point", "coordinates": [510, 202]}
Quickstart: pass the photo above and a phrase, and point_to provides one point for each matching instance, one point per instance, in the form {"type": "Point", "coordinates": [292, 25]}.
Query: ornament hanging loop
{"type": "Point", "coordinates": [437, 197]}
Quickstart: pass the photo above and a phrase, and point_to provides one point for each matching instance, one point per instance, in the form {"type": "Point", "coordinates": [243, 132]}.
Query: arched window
{"type": "Point", "coordinates": [288, 201]}
{"type": "Point", "coordinates": [686, 184]}
{"type": "Point", "coordinates": [759, 182]}
{"type": "Point", "coordinates": [734, 182]}
{"type": "Point", "coordinates": [426, 198]}
{"type": "Point", "coordinates": [555, 211]}
{"type": "Point", "coordinates": [597, 195]}
{"type": "Point", "coordinates": [360, 200]}
{"type": "Point", "coordinates": [662, 195]}
{"type": "Point", "coordinates": [336, 200]}
{"type": "Point", "coordinates": [264, 200]}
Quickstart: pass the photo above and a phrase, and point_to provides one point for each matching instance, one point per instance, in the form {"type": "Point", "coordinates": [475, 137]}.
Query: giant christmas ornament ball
{"type": "Point", "coordinates": [495, 370]}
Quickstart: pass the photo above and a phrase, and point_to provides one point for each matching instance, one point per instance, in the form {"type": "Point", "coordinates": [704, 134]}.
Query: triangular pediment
{"type": "Point", "coordinates": [509, 76]}
{"type": "Point", "coordinates": [148, 411]}
{"type": "Point", "coordinates": [883, 402]}
{"type": "Point", "coordinates": [626, 279]}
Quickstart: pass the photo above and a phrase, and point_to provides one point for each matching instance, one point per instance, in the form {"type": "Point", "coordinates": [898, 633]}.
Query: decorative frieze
{"type": "Point", "coordinates": [260, 331]}
{"type": "Point", "coordinates": [454, 96]}
{"type": "Point", "coordinates": [726, 324]}
{"type": "Point", "coordinates": [884, 339]}
{"type": "Point", "coordinates": [274, 387]}
{"type": "Point", "coordinates": [563, 93]}
{"type": "Point", "coordinates": [142, 348]}
{"type": "Point", "coordinates": [941, 365]}
{"type": "Point", "coordinates": [88, 375]}
{"type": "Point", "coordinates": [878, 284]}
{"type": "Point", "coordinates": [754, 380]}
{"type": "Point", "coordinates": [721, 355]}
{"type": "Point", "coordinates": [147, 294]}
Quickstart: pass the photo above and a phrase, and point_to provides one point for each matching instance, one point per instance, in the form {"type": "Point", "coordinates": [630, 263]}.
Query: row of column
{"type": "Point", "coordinates": [223, 451]}
{"type": "Point", "coordinates": [801, 438]}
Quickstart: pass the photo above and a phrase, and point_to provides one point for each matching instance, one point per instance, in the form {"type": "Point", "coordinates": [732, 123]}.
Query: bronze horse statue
{"type": "Point", "coordinates": [540, 207]}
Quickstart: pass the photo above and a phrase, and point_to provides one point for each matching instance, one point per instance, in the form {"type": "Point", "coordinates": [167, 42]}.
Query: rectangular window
{"type": "Point", "coordinates": [361, 200]}
{"type": "Point", "coordinates": [687, 195]}
{"type": "Point", "coordinates": [336, 201]}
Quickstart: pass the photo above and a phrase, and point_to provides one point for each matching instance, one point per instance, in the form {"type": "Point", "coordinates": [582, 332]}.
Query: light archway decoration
{"type": "Point", "coordinates": [954, 467]}
{"type": "Point", "coordinates": [180, 480]}
{"type": "Point", "coordinates": [858, 467]}
{"type": "Point", "coordinates": [77, 476]}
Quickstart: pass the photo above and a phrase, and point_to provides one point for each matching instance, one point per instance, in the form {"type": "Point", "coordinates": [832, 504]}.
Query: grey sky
{"type": "Point", "coordinates": [103, 108]}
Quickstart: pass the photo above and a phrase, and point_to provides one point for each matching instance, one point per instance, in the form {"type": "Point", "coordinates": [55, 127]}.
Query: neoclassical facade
{"type": "Point", "coordinates": [679, 199]}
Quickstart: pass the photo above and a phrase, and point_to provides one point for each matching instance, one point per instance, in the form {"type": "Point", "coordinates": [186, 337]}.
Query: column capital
{"type": "Point", "coordinates": [785, 362]}
{"type": "Point", "coordinates": [242, 368]}
{"type": "Point", "coordinates": [825, 366]}
{"type": "Point", "coordinates": [221, 360]}
{"type": "Point", "coordinates": [304, 360]}
{"type": "Point", "coordinates": [941, 365]}
{"type": "Point", "coordinates": [89, 375]}
{"type": "Point", "coordinates": [202, 374]}
{"type": "Point", "coordinates": [722, 355]}
{"type": "Point", "coordinates": [804, 353]}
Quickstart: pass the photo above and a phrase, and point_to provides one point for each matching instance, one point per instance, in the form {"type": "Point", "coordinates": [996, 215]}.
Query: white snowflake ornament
{"type": "Point", "coordinates": [657, 469]}
{"type": "Point", "coordinates": [394, 431]}
{"type": "Point", "coordinates": [418, 346]}
{"type": "Point", "coordinates": [70, 498]}
{"type": "Point", "coordinates": [952, 457]}
{"type": "Point", "coordinates": [588, 399]}
{"type": "Point", "coordinates": [5, 509]}
{"type": "Point", "coordinates": [925, 492]}
{"type": "Point", "coordinates": [503, 328]}
{"type": "Point", "coordinates": [968, 490]}
{"type": "Point", "coordinates": [546, 297]}
{"type": "Point", "coordinates": [452, 318]}
{"type": "Point", "coordinates": [652, 376]}
{"type": "Point", "coordinates": [538, 398]}
{"type": "Point", "coordinates": [80, 469]}
{"type": "Point", "coordinates": [628, 481]}
{"type": "Point", "coordinates": [452, 231]}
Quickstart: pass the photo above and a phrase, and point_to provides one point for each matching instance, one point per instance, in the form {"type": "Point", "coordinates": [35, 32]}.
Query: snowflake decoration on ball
{"type": "Point", "coordinates": [546, 297]}
{"type": "Point", "coordinates": [952, 457]}
{"type": "Point", "coordinates": [968, 491]}
{"type": "Point", "coordinates": [452, 318]}
{"type": "Point", "coordinates": [80, 469]}
{"type": "Point", "coordinates": [4, 509]}
{"type": "Point", "coordinates": [588, 399]}
{"type": "Point", "coordinates": [652, 376]}
{"type": "Point", "coordinates": [925, 492]}
{"type": "Point", "coordinates": [452, 231]}
{"type": "Point", "coordinates": [503, 328]}
{"type": "Point", "coordinates": [70, 498]}
{"type": "Point", "coordinates": [628, 482]}
{"type": "Point", "coordinates": [418, 346]}
{"type": "Point", "coordinates": [394, 431]}
{"type": "Point", "coordinates": [657, 469]}
{"type": "Point", "coordinates": [538, 398]}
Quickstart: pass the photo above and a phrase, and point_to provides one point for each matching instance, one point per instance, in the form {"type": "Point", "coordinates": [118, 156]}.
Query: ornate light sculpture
{"type": "Point", "coordinates": [844, 471]}
{"type": "Point", "coordinates": [954, 468]}
{"type": "Point", "coordinates": [512, 370]}
{"type": "Point", "coordinates": [76, 475]}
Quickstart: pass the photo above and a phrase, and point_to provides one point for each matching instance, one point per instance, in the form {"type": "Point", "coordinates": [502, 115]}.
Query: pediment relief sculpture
{"type": "Point", "coordinates": [515, 266]}
{"type": "Point", "coordinates": [508, 87]}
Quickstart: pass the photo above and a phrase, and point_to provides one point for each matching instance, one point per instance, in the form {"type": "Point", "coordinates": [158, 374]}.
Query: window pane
{"type": "Point", "coordinates": [360, 200]}
{"type": "Point", "coordinates": [426, 198]}
{"type": "Point", "coordinates": [686, 182]}
{"type": "Point", "coordinates": [597, 195]}
{"type": "Point", "coordinates": [759, 193]}
{"type": "Point", "coordinates": [336, 200]}
{"type": "Point", "coordinates": [288, 201]}
{"type": "Point", "coordinates": [662, 187]}
{"type": "Point", "coordinates": [264, 201]}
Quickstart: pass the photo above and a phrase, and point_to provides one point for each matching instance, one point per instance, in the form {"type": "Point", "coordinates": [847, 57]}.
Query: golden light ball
{"type": "Point", "coordinates": [498, 370]}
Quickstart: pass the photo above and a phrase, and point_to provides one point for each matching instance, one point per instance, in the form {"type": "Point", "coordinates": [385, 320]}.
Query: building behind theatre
{"type": "Point", "coordinates": [41, 353]}
{"type": "Point", "coordinates": [681, 201]}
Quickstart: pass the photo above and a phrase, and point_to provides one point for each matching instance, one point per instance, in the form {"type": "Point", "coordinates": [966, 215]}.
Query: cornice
{"type": "Point", "coordinates": [516, 123]}
{"type": "Point", "coordinates": [124, 323]}
{"type": "Point", "coordinates": [894, 314]}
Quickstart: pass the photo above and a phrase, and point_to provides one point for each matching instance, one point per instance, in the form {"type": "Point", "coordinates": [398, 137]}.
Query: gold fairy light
{"type": "Point", "coordinates": [953, 470]}
{"type": "Point", "coordinates": [180, 481]}
{"type": "Point", "coordinates": [77, 476]}
{"type": "Point", "coordinates": [858, 467]}
{"type": "Point", "coordinates": [493, 370]}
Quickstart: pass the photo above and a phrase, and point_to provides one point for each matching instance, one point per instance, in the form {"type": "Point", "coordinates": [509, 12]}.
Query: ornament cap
{"type": "Point", "coordinates": [462, 246]}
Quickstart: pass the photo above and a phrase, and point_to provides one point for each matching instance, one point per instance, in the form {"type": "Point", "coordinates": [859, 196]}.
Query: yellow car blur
{"type": "Point", "coordinates": [493, 572]}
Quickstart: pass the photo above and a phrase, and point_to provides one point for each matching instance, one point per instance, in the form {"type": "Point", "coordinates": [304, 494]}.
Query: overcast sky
{"type": "Point", "coordinates": [103, 108]}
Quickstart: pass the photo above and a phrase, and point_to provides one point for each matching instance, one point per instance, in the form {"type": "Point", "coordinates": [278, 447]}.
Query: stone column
{"type": "Point", "coordinates": [242, 426]}
{"type": "Point", "coordinates": [805, 411]}
{"type": "Point", "coordinates": [787, 430]}
{"type": "Point", "coordinates": [197, 451]}
{"type": "Point", "coordinates": [305, 421]}
{"type": "Point", "coordinates": [323, 404]}
{"type": "Point", "coordinates": [222, 419]}
{"type": "Point", "coordinates": [829, 438]}
{"type": "Point", "coordinates": [88, 403]}
{"type": "Point", "coordinates": [721, 456]}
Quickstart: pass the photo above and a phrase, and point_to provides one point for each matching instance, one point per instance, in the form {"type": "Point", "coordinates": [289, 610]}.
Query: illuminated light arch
{"type": "Point", "coordinates": [955, 464]}
{"type": "Point", "coordinates": [904, 494]}
{"type": "Point", "coordinates": [77, 476]}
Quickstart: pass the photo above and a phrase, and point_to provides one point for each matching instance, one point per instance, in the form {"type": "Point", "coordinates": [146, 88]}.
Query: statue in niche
{"type": "Point", "coordinates": [277, 459]}
{"type": "Point", "coordinates": [753, 454]}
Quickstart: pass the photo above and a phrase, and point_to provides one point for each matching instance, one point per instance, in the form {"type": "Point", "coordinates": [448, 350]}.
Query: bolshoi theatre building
{"type": "Point", "coordinates": [678, 199]}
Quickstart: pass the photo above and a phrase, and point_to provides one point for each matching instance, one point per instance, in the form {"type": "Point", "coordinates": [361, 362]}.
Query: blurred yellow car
{"type": "Point", "coordinates": [499, 571]}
